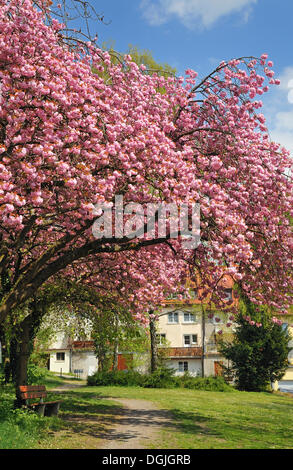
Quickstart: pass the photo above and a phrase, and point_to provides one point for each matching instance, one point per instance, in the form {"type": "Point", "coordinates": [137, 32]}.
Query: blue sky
{"type": "Point", "coordinates": [198, 34]}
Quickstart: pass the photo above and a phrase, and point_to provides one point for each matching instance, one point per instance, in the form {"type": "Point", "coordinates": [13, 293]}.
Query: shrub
{"type": "Point", "coordinates": [163, 377]}
{"type": "Point", "coordinates": [35, 374]}
{"type": "Point", "coordinates": [259, 351]}
{"type": "Point", "coordinates": [19, 428]}
{"type": "Point", "coordinates": [216, 384]}
{"type": "Point", "coordinates": [119, 377]}
{"type": "Point", "coordinates": [2, 377]}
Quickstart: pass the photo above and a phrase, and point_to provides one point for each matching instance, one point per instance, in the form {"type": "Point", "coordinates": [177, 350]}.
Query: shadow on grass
{"type": "Point", "coordinates": [83, 402]}
{"type": "Point", "coordinates": [192, 423]}
{"type": "Point", "coordinates": [92, 415]}
{"type": "Point", "coordinates": [232, 431]}
{"type": "Point", "coordinates": [124, 424]}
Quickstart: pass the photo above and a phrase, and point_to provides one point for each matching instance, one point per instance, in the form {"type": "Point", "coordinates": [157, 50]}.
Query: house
{"type": "Point", "coordinates": [187, 342]}
{"type": "Point", "coordinates": [187, 335]}
{"type": "Point", "coordinates": [78, 357]}
{"type": "Point", "coordinates": [69, 356]}
{"type": "Point", "coordinates": [188, 332]}
{"type": "Point", "coordinates": [186, 347]}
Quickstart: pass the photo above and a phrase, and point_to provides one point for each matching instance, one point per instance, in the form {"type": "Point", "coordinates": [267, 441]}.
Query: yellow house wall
{"type": "Point", "coordinates": [175, 331]}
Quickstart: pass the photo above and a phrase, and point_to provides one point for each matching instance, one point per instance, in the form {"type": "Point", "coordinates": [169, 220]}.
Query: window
{"type": "Point", "coordinates": [60, 356]}
{"type": "Point", "coordinates": [193, 293]}
{"type": "Point", "coordinates": [173, 317]}
{"type": "Point", "coordinates": [171, 296]}
{"type": "Point", "coordinates": [228, 294]}
{"type": "Point", "coordinates": [210, 317]}
{"type": "Point", "coordinates": [161, 338]}
{"type": "Point", "coordinates": [189, 340]}
{"type": "Point", "coordinates": [183, 366]}
{"type": "Point", "coordinates": [189, 318]}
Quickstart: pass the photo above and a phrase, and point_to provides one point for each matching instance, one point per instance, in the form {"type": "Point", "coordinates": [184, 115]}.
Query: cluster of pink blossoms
{"type": "Point", "coordinates": [277, 321]}
{"type": "Point", "coordinates": [252, 322]}
{"type": "Point", "coordinates": [77, 129]}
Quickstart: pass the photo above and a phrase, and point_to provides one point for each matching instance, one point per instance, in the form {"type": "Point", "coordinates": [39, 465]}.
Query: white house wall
{"type": "Point", "coordinates": [194, 366]}
{"type": "Point", "coordinates": [58, 365]}
{"type": "Point", "coordinates": [84, 361]}
{"type": "Point", "coordinates": [60, 342]}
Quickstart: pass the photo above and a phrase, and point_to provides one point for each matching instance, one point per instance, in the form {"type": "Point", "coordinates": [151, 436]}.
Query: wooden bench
{"type": "Point", "coordinates": [29, 392]}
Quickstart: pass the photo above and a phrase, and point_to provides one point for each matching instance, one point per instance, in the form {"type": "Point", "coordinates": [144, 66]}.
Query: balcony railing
{"type": "Point", "coordinates": [82, 344]}
{"type": "Point", "coordinates": [211, 347]}
{"type": "Point", "coordinates": [184, 352]}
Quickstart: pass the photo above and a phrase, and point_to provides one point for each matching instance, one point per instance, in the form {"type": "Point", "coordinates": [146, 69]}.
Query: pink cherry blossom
{"type": "Point", "coordinates": [78, 129]}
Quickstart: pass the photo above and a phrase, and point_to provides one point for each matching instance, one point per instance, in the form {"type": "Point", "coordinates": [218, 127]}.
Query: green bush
{"type": "Point", "coordinates": [6, 405]}
{"type": "Point", "coordinates": [2, 377]}
{"type": "Point", "coordinates": [212, 384]}
{"type": "Point", "coordinates": [19, 429]}
{"type": "Point", "coordinates": [119, 377]}
{"type": "Point", "coordinates": [35, 374]}
{"type": "Point", "coordinates": [259, 351]}
{"type": "Point", "coordinates": [162, 378]}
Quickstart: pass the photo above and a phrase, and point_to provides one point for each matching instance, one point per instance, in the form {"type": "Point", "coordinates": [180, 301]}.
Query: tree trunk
{"type": "Point", "coordinates": [115, 356]}
{"type": "Point", "coordinates": [203, 334]}
{"type": "Point", "coordinates": [116, 343]}
{"type": "Point", "coordinates": [5, 364]}
{"type": "Point", "coordinates": [24, 345]}
{"type": "Point", "coordinates": [102, 363]}
{"type": "Point", "coordinates": [154, 346]}
{"type": "Point", "coordinates": [22, 357]}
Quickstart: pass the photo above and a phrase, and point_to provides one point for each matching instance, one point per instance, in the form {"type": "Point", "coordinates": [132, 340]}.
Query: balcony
{"type": "Point", "coordinates": [193, 299]}
{"type": "Point", "coordinates": [211, 347]}
{"type": "Point", "coordinates": [186, 352]}
{"type": "Point", "coordinates": [85, 345]}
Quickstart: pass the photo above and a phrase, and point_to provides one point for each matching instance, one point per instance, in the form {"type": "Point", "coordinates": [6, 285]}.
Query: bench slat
{"type": "Point", "coordinates": [32, 388]}
{"type": "Point", "coordinates": [51, 402]}
{"type": "Point", "coordinates": [49, 408]}
{"type": "Point", "coordinates": [45, 403]}
{"type": "Point", "coordinates": [27, 395]}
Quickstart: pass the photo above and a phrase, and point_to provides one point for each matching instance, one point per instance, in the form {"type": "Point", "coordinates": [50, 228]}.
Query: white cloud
{"type": "Point", "coordinates": [283, 138]}
{"type": "Point", "coordinates": [282, 130]}
{"type": "Point", "coordinates": [284, 120]}
{"type": "Point", "coordinates": [286, 78]}
{"type": "Point", "coordinates": [193, 13]}
{"type": "Point", "coordinates": [278, 110]}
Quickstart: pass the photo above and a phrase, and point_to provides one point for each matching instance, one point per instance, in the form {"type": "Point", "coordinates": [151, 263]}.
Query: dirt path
{"type": "Point", "coordinates": [139, 425]}
{"type": "Point", "coordinates": [135, 425]}
{"type": "Point", "coordinates": [69, 385]}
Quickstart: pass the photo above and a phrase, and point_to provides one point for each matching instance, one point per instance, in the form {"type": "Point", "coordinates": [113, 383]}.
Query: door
{"type": "Point", "coordinates": [218, 366]}
{"type": "Point", "coordinates": [124, 361]}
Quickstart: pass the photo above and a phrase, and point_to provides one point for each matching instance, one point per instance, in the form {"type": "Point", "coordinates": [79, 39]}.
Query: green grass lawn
{"type": "Point", "coordinates": [218, 420]}
{"type": "Point", "coordinates": [202, 419]}
{"type": "Point", "coordinates": [20, 429]}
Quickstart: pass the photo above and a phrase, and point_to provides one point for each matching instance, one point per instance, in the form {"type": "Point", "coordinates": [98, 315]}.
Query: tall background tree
{"type": "Point", "coordinates": [258, 353]}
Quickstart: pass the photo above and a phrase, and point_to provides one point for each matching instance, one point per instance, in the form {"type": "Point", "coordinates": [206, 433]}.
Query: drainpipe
{"type": "Point", "coordinates": [154, 345]}
{"type": "Point", "coordinates": [203, 334]}
{"type": "Point", "coordinates": [70, 359]}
